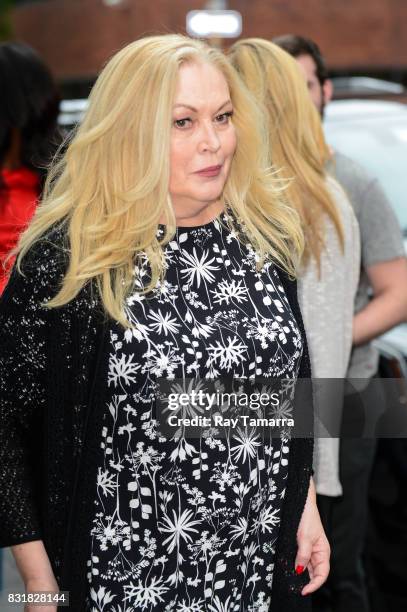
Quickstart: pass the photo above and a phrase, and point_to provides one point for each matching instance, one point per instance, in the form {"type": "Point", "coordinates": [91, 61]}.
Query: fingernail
{"type": "Point", "coordinates": [299, 569]}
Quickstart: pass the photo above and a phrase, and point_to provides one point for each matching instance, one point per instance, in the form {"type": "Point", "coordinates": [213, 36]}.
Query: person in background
{"type": "Point", "coordinates": [330, 268]}
{"type": "Point", "coordinates": [29, 105]}
{"type": "Point", "coordinates": [381, 303]}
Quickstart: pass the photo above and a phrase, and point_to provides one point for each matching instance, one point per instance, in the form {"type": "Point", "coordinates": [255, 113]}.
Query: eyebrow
{"type": "Point", "coordinates": [192, 108]}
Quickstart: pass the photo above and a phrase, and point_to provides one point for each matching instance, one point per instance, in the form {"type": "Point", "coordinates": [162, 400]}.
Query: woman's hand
{"type": "Point", "coordinates": [313, 546]}
{"type": "Point", "coordinates": [36, 572]}
{"type": "Point", "coordinates": [37, 585]}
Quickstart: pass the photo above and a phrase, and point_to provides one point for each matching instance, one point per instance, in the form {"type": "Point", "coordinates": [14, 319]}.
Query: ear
{"type": "Point", "coordinates": [328, 90]}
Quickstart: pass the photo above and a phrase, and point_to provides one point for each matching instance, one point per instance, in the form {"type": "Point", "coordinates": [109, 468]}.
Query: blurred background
{"type": "Point", "coordinates": [363, 41]}
{"type": "Point", "coordinates": [76, 37]}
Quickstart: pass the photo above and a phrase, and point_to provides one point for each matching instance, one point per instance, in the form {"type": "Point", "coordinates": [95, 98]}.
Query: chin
{"type": "Point", "coordinates": [207, 200]}
{"type": "Point", "coordinates": [209, 195]}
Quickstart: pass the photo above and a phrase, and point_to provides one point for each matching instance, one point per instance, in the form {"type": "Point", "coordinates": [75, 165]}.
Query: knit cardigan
{"type": "Point", "coordinates": [52, 378]}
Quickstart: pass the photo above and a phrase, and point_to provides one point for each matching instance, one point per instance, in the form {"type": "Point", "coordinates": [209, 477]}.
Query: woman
{"type": "Point", "coordinates": [331, 261]}
{"type": "Point", "coordinates": [28, 135]}
{"type": "Point", "coordinates": [153, 255]}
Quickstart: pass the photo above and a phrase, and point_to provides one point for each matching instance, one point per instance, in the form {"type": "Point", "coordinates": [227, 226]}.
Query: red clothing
{"type": "Point", "coordinates": [19, 191]}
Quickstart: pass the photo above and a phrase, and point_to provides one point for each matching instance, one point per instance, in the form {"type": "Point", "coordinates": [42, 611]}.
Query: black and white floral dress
{"type": "Point", "coordinates": [191, 524]}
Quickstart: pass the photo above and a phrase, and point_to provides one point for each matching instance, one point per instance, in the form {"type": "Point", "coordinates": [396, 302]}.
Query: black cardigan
{"type": "Point", "coordinates": [49, 386]}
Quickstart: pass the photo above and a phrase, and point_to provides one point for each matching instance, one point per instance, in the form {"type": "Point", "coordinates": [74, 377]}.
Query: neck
{"type": "Point", "coordinates": [211, 211]}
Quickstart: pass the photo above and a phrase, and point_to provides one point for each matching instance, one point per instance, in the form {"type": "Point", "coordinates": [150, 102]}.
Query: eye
{"type": "Point", "coordinates": [183, 123]}
{"type": "Point", "coordinates": [224, 117]}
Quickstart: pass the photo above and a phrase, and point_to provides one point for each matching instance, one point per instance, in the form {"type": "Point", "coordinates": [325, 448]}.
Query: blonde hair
{"type": "Point", "coordinates": [110, 189]}
{"type": "Point", "coordinates": [297, 142]}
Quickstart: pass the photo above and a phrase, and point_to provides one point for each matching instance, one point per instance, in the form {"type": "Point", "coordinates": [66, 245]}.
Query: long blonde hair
{"type": "Point", "coordinates": [297, 144]}
{"type": "Point", "coordinates": [110, 189]}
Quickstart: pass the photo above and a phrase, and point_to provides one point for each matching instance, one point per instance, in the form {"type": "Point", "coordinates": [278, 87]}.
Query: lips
{"type": "Point", "coordinates": [210, 171]}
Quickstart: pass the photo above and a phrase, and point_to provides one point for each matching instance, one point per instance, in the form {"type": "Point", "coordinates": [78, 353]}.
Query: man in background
{"type": "Point", "coordinates": [384, 275]}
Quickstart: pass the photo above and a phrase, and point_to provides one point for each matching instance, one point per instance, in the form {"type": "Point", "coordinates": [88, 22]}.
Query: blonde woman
{"type": "Point", "coordinates": [161, 250]}
{"type": "Point", "coordinates": [331, 261]}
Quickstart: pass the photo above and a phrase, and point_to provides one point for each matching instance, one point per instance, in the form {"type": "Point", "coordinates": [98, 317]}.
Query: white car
{"type": "Point", "coordinates": [374, 133]}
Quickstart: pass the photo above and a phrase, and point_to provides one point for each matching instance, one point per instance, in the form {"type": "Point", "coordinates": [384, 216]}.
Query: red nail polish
{"type": "Point", "coordinates": [299, 569]}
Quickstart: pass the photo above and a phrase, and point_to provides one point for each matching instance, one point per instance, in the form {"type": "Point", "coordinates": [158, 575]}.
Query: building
{"type": "Point", "coordinates": [76, 37]}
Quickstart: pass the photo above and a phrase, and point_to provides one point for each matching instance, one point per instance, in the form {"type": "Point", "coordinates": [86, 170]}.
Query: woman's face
{"type": "Point", "coordinates": [203, 139]}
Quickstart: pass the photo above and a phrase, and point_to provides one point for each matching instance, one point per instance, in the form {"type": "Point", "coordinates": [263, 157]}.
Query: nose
{"type": "Point", "coordinates": [209, 138]}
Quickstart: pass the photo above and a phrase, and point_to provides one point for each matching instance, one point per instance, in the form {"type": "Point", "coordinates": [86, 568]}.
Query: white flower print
{"type": "Point", "coordinates": [106, 482]}
{"type": "Point", "coordinates": [182, 450]}
{"type": "Point", "coordinates": [163, 323]}
{"type": "Point", "coordinates": [109, 531]}
{"type": "Point", "coordinates": [227, 291]}
{"type": "Point", "coordinates": [123, 608]}
{"type": "Point", "coordinates": [201, 236]}
{"type": "Point", "coordinates": [122, 370]}
{"type": "Point", "coordinates": [197, 268]}
{"type": "Point", "coordinates": [224, 475]}
{"type": "Point", "coordinates": [239, 530]}
{"type": "Point", "coordinates": [140, 331]}
{"type": "Point", "coordinates": [101, 598]}
{"type": "Point", "coordinates": [193, 299]}
{"type": "Point", "coordinates": [184, 523]}
{"type": "Point", "coordinates": [164, 359]}
{"type": "Point", "coordinates": [262, 604]}
{"type": "Point", "coordinates": [221, 606]}
{"type": "Point", "coordinates": [264, 330]}
{"type": "Point", "coordinates": [148, 459]}
{"type": "Point", "coordinates": [196, 605]}
{"type": "Point", "coordinates": [165, 292]}
{"type": "Point", "coordinates": [227, 353]}
{"type": "Point", "coordinates": [197, 497]}
{"type": "Point", "coordinates": [247, 440]}
{"type": "Point", "coordinates": [206, 546]}
{"type": "Point", "coordinates": [266, 520]}
{"type": "Point", "coordinates": [144, 595]}
{"type": "Point", "coordinates": [284, 410]}
{"type": "Point", "coordinates": [178, 527]}
{"type": "Point", "coordinates": [201, 330]}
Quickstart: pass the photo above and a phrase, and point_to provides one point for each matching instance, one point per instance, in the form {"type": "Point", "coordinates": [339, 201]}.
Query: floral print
{"type": "Point", "coordinates": [183, 524]}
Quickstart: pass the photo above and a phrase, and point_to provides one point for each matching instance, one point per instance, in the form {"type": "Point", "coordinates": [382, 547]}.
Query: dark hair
{"type": "Point", "coordinates": [29, 102]}
{"type": "Point", "coordinates": [298, 45]}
